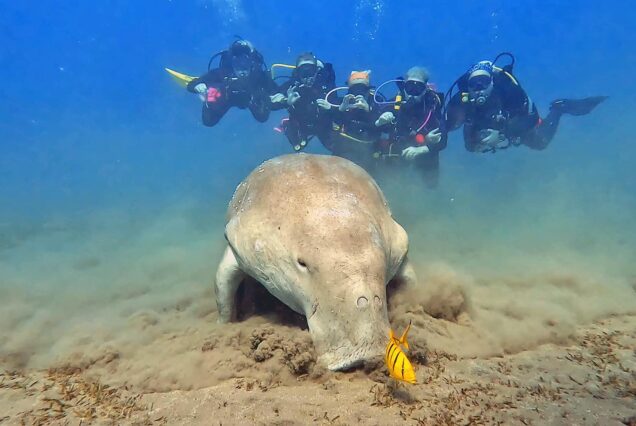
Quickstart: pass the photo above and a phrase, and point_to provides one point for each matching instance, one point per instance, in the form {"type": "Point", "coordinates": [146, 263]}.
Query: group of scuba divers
{"type": "Point", "coordinates": [358, 123]}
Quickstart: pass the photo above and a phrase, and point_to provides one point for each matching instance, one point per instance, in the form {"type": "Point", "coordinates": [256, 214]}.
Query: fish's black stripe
{"type": "Point", "coordinates": [403, 366]}
{"type": "Point", "coordinates": [391, 351]}
{"type": "Point", "coordinates": [397, 355]}
{"type": "Point", "coordinates": [388, 348]}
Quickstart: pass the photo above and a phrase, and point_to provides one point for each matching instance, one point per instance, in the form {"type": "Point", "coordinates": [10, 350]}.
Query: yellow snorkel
{"type": "Point", "coordinates": [293, 67]}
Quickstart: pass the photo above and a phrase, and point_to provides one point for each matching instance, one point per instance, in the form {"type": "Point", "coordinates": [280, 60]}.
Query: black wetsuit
{"type": "Point", "coordinates": [306, 119]}
{"type": "Point", "coordinates": [354, 134]}
{"type": "Point", "coordinates": [249, 92]}
{"type": "Point", "coordinates": [508, 109]}
{"type": "Point", "coordinates": [415, 118]}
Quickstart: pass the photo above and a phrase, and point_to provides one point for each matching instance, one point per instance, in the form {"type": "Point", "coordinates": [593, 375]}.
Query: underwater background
{"type": "Point", "coordinates": [113, 194]}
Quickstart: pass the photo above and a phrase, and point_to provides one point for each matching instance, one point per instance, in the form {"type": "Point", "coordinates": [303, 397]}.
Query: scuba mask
{"type": "Point", "coordinates": [414, 90]}
{"type": "Point", "coordinates": [359, 89]}
{"type": "Point", "coordinates": [307, 74]}
{"type": "Point", "coordinates": [241, 65]}
{"type": "Point", "coordinates": [480, 82]}
{"type": "Point", "coordinates": [480, 87]}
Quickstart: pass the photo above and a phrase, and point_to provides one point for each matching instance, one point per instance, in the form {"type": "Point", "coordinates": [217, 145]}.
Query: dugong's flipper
{"type": "Point", "coordinates": [406, 273]}
{"type": "Point", "coordinates": [228, 279]}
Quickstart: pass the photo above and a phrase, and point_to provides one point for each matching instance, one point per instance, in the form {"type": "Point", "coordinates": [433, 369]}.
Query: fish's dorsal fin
{"type": "Point", "coordinates": [403, 340]}
{"type": "Point", "coordinates": [391, 335]}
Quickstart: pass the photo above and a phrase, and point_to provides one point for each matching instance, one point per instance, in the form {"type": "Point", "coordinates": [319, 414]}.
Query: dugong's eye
{"type": "Point", "coordinates": [301, 263]}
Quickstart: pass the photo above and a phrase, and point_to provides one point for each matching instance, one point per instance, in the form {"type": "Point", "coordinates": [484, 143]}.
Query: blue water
{"type": "Point", "coordinates": [92, 126]}
{"type": "Point", "coordinates": [89, 117]}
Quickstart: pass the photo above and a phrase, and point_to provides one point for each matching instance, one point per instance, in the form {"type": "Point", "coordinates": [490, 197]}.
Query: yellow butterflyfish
{"type": "Point", "coordinates": [399, 366]}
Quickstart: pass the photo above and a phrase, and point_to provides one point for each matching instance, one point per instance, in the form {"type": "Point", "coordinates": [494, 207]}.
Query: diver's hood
{"type": "Point", "coordinates": [419, 74]}
{"type": "Point", "coordinates": [359, 77]}
{"type": "Point", "coordinates": [241, 47]}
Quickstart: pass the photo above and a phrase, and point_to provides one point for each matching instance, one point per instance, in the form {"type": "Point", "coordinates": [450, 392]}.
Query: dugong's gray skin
{"type": "Point", "coordinates": [316, 231]}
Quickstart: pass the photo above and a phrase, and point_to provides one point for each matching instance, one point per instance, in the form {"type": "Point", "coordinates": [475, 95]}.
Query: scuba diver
{"type": "Point", "coordinates": [497, 113]}
{"type": "Point", "coordinates": [303, 95]}
{"type": "Point", "coordinates": [354, 133]}
{"type": "Point", "coordinates": [241, 80]}
{"type": "Point", "coordinates": [415, 128]}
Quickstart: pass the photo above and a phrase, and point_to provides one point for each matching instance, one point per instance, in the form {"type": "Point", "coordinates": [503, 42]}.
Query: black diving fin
{"type": "Point", "coordinates": [577, 106]}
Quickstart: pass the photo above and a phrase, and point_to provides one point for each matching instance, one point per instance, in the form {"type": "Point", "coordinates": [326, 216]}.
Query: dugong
{"type": "Point", "coordinates": [317, 233]}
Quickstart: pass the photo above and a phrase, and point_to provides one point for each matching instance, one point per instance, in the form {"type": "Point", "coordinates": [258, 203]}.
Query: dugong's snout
{"type": "Point", "coordinates": [353, 335]}
{"type": "Point", "coordinates": [344, 358]}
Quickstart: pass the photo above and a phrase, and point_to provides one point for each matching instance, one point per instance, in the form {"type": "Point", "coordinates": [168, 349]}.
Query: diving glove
{"type": "Point", "coordinates": [433, 137]}
{"type": "Point", "coordinates": [412, 152]}
{"type": "Point", "coordinates": [491, 137]}
{"type": "Point", "coordinates": [278, 98]}
{"type": "Point", "coordinates": [490, 140]}
{"type": "Point", "coordinates": [385, 118]}
{"type": "Point", "coordinates": [323, 104]}
{"type": "Point", "coordinates": [201, 88]}
{"type": "Point", "coordinates": [346, 102]}
{"type": "Point", "coordinates": [293, 98]}
{"type": "Point", "coordinates": [361, 103]}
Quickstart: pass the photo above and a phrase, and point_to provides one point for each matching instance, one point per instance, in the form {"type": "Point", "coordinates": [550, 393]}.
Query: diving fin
{"type": "Point", "coordinates": [577, 106]}
{"type": "Point", "coordinates": [180, 78]}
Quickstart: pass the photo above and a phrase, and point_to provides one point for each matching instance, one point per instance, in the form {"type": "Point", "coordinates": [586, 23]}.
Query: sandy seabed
{"type": "Point", "coordinates": [113, 321]}
{"type": "Point", "coordinates": [592, 380]}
